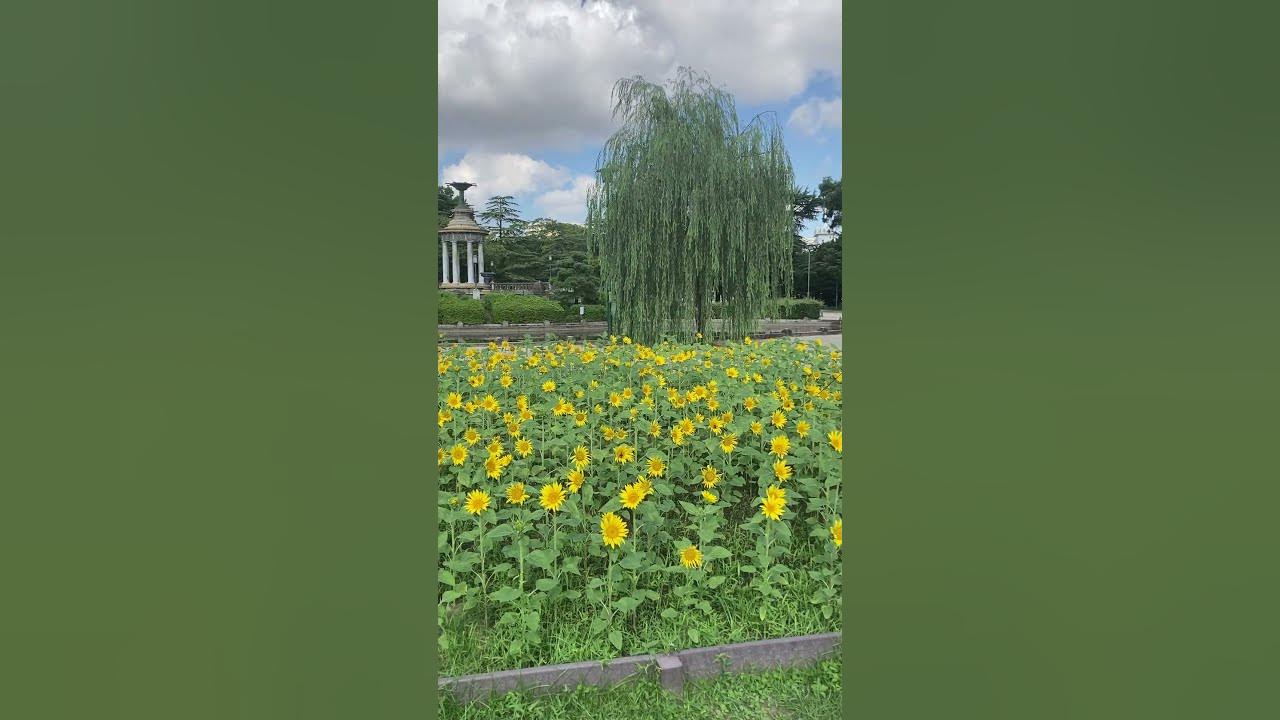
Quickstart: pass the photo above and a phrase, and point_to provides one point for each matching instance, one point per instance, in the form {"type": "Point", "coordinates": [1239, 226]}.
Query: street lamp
{"type": "Point", "coordinates": [819, 238]}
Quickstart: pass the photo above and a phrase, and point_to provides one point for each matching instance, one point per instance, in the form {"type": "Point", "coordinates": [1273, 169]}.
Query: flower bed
{"type": "Point", "coordinates": [607, 499]}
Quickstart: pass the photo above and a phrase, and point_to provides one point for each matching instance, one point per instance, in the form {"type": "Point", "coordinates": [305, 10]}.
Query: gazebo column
{"type": "Point", "coordinates": [453, 279]}
{"type": "Point", "coordinates": [471, 266]}
{"type": "Point", "coordinates": [444, 261]}
{"type": "Point", "coordinates": [482, 260]}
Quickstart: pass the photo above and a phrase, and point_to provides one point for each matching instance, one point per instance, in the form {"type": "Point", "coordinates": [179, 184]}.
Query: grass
{"type": "Point", "coordinates": [472, 646]}
{"type": "Point", "coordinates": [811, 693]}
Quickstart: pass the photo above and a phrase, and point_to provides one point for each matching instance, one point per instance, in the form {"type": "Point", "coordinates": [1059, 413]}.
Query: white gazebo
{"type": "Point", "coordinates": [462, 272]}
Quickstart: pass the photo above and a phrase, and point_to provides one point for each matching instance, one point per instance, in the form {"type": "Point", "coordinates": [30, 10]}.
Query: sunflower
{"type": "Point", "coordinates": [576, 478]}
{"type": "Point", "coordinates": [631, 495]}
{"type": "Point", "coordinates": [776, 493]}
{"type": "Point", "coordinates": [710, 476]}
{"type": "Point", "coordinates": [454, 400]}
{"type": "Point", "coordinates": [655, 430]}
{"type": "Point", "coordinates": [494, 448]}
{"type": "Point", "coordinates": [458, 454]}
{"type": "Point", "coordinates": [677, 437]}
{"type": "Point", "coordinates": [756, 427]}
{"type": "Point", "coordinates": [580, 418]}
{"type": "Point", "coordinates": [472, 436]}
{"type": "Point", "coordinates": [645, 486]}
{"type": "Point", "coordinates": [524, 447]}
{"type": "Point", "coordinates": [493, 466]}
{"type": "Point", "coordinates": [837, 532]}
{"type": "Point", "coordinates": [750, 403]}
{"type": "Point", "coordinates": [549, 386]}
{"type": "Point", "coordinates": [477, 502]}
{"type": "Point", "coordinates": [553, 496]}
{"type": "Point", "coordinates": [656, 467]}
{"type": "Point", "coordinates": [779, 445]}
{"type": "Point", "coordinates": [608, 433]}
{"type": "Point", "coordinates": [489, 403]}
{"type": "Point", "coordinates": [836, 438]}
{"type": "Point", "coordinates": [691, 557]}
{"type": "Point", "coordinates": [728, 442]}
{"type": "Point", "coordinates": [624, 454]}
{"type": "Point", "coordinates": [581, 456]}
{"type": "Point", "coordinates": [778, 419]}
{"type": "Point", "coordinates": [772, 507]}
{"type": "Point", "coordinates": [802, 428]}
{"type": "Point", "coordinates": [613, 529]}
{"type": "Point", "coordinates": [709, 496]}
{"type": "Point", "coordinates": [686, 426]}
{"type": "Point", "coordinates": [440, 456]}
{"type": "Point", "coordinates": [782, 470]}
{"type": "Point", "coordinates": [506, 381]}
{"type": "Point", "coordinates": [516, 494]}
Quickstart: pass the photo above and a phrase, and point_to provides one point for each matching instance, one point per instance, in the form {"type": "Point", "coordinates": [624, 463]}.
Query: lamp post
{"type": "Point", "coordinates": [819, 238]}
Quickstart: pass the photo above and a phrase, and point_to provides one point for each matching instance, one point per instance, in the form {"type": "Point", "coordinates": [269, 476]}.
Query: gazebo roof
{"type": "Point", "coordinates": [463, 222]}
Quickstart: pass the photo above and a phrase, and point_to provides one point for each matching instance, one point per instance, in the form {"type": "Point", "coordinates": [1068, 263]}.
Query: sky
{"type": "Point", "coordinates": [524, 85]}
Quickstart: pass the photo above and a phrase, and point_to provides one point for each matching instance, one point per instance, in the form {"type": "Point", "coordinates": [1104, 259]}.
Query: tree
{"type": "Point", "coordinates": [690, 206]}
{"type": "Point", "coordinates": [499, 211]}
{"type": "Point", "coordinates": [830, 197]}
{"type": "Point", "coordinates": [446, 201]}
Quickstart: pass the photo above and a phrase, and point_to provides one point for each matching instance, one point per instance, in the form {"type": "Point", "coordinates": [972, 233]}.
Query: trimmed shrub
{"type": "Point", "coordinates": [594, 313]}
{"type": "Point", "coordinates": [800, 309]}
{"type": "Point", "coordinates": [512, 308]}
{"type": "Point", "coordinates": [454, 309]}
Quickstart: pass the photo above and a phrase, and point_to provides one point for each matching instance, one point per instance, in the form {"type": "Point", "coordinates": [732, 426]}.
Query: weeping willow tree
{"type": "Point", "coordinates": [689, 208]}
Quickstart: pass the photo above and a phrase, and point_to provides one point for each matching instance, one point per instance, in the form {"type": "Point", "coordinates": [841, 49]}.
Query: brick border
{"type": "Point", "coordinates": [671, 671]}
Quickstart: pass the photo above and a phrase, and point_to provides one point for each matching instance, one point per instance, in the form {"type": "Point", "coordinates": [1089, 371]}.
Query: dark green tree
{"type": "Point", "coordinates": [690, 205]}
{"type": "Point", "coordinates": [830, 197]}
{"type": "Point", "coordinates": [446, 201]}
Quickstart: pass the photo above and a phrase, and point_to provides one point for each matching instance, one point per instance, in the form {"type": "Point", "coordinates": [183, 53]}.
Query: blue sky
{"type": "Point", "coordinates": [524, 84]}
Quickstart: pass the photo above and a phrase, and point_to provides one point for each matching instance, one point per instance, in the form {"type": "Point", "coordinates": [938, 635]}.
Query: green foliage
{"type": "Point", "coordinates": [690, 206]}
{"type": "Point", "coordinates": [505, 307]}
{"type": "Point", "coordinates": [831, 198]}
{"type": "Point", "coordinates": [799, 309]}
{"type": "Point", "coordinates": [454, 309]}
{"type": "Point", "coordinates": [594, 313]}
{"type": "Point", "coordinates": [446, 201]}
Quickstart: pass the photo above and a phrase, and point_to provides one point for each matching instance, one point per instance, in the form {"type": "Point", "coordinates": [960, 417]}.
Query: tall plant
{"type": "Point", "coordinates": [690, 207]}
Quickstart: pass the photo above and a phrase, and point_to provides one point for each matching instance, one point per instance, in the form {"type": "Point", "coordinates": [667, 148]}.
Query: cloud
{"type": "Point", "coordinates": [568, 204]}
{"type": "Point", "coordinates": [520, 75]}
{"type": "Point", "coordinates": [815, 115]}
{"type": "Point", "coordinates": [503, 174]}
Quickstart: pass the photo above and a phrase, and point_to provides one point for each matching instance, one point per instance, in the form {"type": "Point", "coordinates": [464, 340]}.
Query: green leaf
{"type": "Point", "coordinates": [447, 578]}
{"type": "Point", "coordinates": [670, 613]}
{"type": "Point", "coordinates": [715, 552]}
{"type": "Point", "coordinates": [449, 596]}
{"type": "Point", "coordinates": [632, 561]}
{"type": "Point", "coordinates": [694, 635]}
{"type": "Point", "coordinates": [615, 639]}
{"type": "Point", "coordinates": [505, 594]}
{"type": "Point", "coordinates": [540, 559]}
{"type": "Point", "coordinates": [715, 581]}
{"type": "Point", "coordinates": [546, 585]}
{"type": "Point", "coordinates": [532, 619]}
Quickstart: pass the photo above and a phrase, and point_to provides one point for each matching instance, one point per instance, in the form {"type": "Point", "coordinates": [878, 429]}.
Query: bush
{"type": "Point", "coordinates": [507, 307]}
{"type": "Point", "coordinates": [454, 309]}
{"type": "Point", "coordinates": [800, 308]}
{"type": "Point", "coordinates": [594, 313]}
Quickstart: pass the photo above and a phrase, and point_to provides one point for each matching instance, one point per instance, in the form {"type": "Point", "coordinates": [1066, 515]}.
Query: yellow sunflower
{"type": "Point", "coordinates": [624, 454]}
{"type": "Point", "coordinates": [728, 442]}
{"type": "Point", "coordinates": [524, 447]}
{"type": "Point", "coordinates": [631, 495]}
{"type": "Point", "coordinates": [772, 507]}
{"type": "Point", "coordinates": [782, 470]}
{"type": "Point", "coordinates": [709, 496]}
{"type": "Point", "coordinates": [710, 476]}
{"type": "Point", "coordinates": [458, 454]}
{"type": "Point", "coordinates": [836, 438]}
{"type": "Point", "coordinates": [581, 456]}
{"type": "Point", "coordinates": [656, 467]}
{"type": "Point", "coordinates": [837, 532]}
{"type": "Point", "coordinates": [613, 529]}
{"type": "Point", "coordinates": [454, 400]}
{"type": "Point", "coordinates": [477, 502]}
{"type": "Point", "coordinates": [516, 494]}
{"type": "Point", "coordinates": [691, 557]}
{"type": "Point", "coordinates": [553, 496]}
{"type": "Point", "coordinates": [779, 445]}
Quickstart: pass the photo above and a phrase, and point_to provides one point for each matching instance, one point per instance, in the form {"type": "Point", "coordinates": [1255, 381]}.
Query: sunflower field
{"type": "Point", "coordinates": [608, 498]}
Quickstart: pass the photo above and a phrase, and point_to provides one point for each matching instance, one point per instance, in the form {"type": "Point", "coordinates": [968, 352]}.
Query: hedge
{"type": "Point", "coordinates": [786, 309]}
{"type": "Point", "coordinates": [455, 309]}
{"type": "Point", "coordinates": [594, 313]}
{"type": "Point", "coordinates": [506, 307]}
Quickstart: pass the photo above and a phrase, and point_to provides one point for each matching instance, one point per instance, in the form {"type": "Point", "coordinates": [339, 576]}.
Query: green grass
{"type": "Point", "coordinates": [471, 644]}
{"type": "Point", "coordinates": [811, 693]}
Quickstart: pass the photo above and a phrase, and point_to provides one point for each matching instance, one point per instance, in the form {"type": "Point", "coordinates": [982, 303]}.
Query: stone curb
{"type": "Point", "coordinates": [671, 671]}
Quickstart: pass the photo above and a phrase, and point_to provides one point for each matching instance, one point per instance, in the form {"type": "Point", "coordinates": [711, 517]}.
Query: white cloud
{"type": "Point", "coordinates": [815, 115]}
{"type": "Point", "coordinates": [503, 174]}
{"type": "Point", "coordinates": [520, 75]}
{"type": "Point", "coordinates": [568, 204]}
